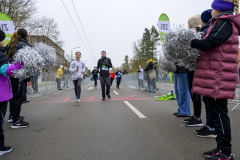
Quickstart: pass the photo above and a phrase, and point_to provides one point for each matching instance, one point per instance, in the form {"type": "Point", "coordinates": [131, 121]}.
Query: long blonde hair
{"type": "Point", "coordinates": [236, 5]}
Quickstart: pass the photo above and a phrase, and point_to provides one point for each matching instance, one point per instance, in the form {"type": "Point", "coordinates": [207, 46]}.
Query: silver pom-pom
{"type": "Point", "coordinates": [177, 49]}
{"type": "Point", "coordinates": [166, 65]}
{"type": "Point", "coordinates": [32, 62]}
{"type": "Point", "coordinates": [48, 54]}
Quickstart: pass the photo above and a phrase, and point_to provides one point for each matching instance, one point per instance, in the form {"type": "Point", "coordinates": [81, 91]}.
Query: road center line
{"type": "Point", "coordinates": [135, 110]}
{"type": "Point", "coordinates": [115, 92]}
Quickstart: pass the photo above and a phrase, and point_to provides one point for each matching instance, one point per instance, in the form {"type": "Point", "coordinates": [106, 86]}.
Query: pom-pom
{"type": "Point", "coordinates": [32, 62]}
{"type": "Point", "coordinates": [177, 49]}
{"type": "Point", "coordinates": [48, 54]}
{"type": "Point", "coordinates": [166, 65]}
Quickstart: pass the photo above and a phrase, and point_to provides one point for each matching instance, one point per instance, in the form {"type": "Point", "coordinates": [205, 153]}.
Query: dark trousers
{"type": "Point", "coordinates": [111, 80]}
{"type": "Point", "coordinates": [35, 84]}
{"type": "Point", "coordinates": [196, 99]}
{"type": "Point", "coordinates": [3, 109]}
{"type": "Point", "coordinates": [58, 83]}
{"type": "Point", "coordinates": [16, 101]}
{"type": "Point", "coordinates": [118, 82]}
{"type": "Point", "coordinates": [209, 121]}
{"type": "Point", "coordinates": [24, 96]}
{"type": "Point", "coordinates": [77, 85]}
{"type": "Point", "coordinates": [105, 82]}
{"type": "Point", "coordinates": [219, 113]}
{"type": "Point", "coordinates": [95, 81]}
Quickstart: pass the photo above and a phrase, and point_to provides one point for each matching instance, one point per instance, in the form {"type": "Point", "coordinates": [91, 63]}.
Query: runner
{"type": "Point", "coordinates": [112, 77]}
{"type": "Point", "coordinates": [104, 64]}
{"type": "Point", "coordinates": [95, 76]}
{"type": "Point", "coordinates": [118, 77]}
{"type": "Point", "coordinates": [77, 68]}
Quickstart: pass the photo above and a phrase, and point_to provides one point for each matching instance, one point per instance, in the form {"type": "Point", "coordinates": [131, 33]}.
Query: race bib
{"type": "Point", "coordinates": [105, 68]}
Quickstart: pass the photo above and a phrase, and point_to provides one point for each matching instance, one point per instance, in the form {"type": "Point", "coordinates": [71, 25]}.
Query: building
{"type": "Point", "coordinates": [33, 39]}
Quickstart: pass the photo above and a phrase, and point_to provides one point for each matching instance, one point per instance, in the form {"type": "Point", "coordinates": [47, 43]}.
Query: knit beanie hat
{"type": "Point", "coordinates": [2, 35]}
{"type": "Point", "coordinates": [195, 21]}
{"type": "Point", "coordinates": [150, 60]}
{"type": "Point", "coordinates": [206, 15]}
{"type": "Point", "coordinates": [223, 5]}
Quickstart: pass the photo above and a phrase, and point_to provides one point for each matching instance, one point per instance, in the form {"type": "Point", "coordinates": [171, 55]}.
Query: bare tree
{"type": "Point", "coordinates": [20, 11]}
{"type": "Point", "coordinates": [46, 27]}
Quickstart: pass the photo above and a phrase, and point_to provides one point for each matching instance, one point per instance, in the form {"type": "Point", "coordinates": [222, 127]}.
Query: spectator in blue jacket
{"type": "Point", "coordinates": [118, 75]}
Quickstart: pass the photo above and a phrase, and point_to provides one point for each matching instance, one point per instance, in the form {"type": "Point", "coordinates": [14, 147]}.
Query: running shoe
{"type": "Point", "coordinates": [206, 133]}
{"type": "Point", "coordinates": [220, 156]}
{"type": "Point", "coordinates": [5, 149]}
{"type": "Point", "coordinates": [103, 98]}
{"type": "Point", "coordinates": [210, 153]}
{"type": "Point", "coordinates": [78, 100]}
{"type": "Point", "coordinates": [200, 130]}
{"type": "Point", "coordinates": [20, 124]}
{"type": "Point", "coordinates": [10, 120]}
{"type": "Point", "coordinates": [108, 96]}
{"type": "Point", "coordinates": [189, 119]}
{"type": "Point", "coordinates": [194, 123]}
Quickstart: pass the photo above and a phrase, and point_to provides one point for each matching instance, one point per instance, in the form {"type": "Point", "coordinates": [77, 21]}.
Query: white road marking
{"type": "Point", "coordinates": [90, 88]}
{"type": "Point", "coordinates": [135, 110]}
{"type": "Point", "coordinates": [115, 92]}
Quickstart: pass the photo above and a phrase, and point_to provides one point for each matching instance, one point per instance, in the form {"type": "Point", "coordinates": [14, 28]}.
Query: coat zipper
{"type": "Point", "coordinates": [216, 92]}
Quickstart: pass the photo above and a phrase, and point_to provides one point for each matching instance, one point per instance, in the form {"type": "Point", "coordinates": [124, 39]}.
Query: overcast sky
{"type": "Point", "coordinates": [113, 25]}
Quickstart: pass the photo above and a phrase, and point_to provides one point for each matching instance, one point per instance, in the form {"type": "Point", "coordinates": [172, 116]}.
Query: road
{"type": "Point", "coordinates": [130, 126]}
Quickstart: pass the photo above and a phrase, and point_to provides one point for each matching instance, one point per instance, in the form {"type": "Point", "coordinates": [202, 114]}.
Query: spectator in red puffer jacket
{"type": "Point", "coordinates": [216, 71]}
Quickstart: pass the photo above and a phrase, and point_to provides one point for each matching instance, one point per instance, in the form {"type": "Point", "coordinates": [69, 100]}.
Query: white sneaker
{"type": "Point", "coordinates": [78, 100]}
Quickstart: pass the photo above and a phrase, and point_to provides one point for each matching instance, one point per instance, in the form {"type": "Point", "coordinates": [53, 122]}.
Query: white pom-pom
{"type": "Point", "coordinates": [32, 62]}
{"type": "Point", "coordinates": [48, 54]}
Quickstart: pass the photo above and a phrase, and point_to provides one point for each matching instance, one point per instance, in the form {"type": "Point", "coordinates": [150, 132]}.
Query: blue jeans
{"type": "Point", "coordinates": [182, 94]}
{"type": "Point", "coordinates": [95, 82]}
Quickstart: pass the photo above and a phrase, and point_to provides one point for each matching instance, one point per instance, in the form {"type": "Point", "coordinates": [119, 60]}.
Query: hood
{"type": "Point", "coordinates": [150, 63]}
{"type": "Point", "coordinates": [235, 19]}
{"type": "Point", "coordinates": [204, 28]}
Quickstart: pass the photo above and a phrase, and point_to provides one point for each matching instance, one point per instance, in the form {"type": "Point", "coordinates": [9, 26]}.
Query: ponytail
{"type": "Point", "coordinates": [12, 38]}
{"type": "Point", "coordinates": [13, 45]}
{"type": "Point", "coordinates": [236, 5]}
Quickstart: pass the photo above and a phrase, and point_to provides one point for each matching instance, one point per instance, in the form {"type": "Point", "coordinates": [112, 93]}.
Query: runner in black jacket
{"type": "Point", "coordinates": [104, 64]}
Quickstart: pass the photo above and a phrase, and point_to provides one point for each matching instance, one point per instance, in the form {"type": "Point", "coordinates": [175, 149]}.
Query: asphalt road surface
{"type": "Point", "coordinates": [130, 126]}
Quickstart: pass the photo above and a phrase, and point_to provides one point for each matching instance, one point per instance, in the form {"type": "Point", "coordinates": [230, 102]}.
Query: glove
{"type": "Point", "coordinates": [13, 67]}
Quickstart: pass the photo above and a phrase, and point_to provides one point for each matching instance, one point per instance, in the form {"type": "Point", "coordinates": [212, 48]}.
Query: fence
{"type": "Point", "coordinates": [47, 82]}
{"type": "Point", "coordinates": [145, 81]}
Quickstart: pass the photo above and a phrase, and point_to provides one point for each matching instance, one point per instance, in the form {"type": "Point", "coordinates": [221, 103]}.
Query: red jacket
{"type": "Point", "coordinates": [112, 75]}
{"type": "Point", "coordinates": [216, 69]}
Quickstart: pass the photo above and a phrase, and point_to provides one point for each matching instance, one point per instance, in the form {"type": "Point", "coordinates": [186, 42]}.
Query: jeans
{"type": "Point", "coordinates": [182, 94]}
{"type": "Point", "coordinates": [65, 85]}
{"type": "Point", "coordinates": [219, 113]}
{"type": "Point", "coordinates": [95, 81]}
{"type": "Point", "coordinates": [140, 83]}
{"type": "Point", "coordinates": [3, 109]}
{"type": "Point", "coordinates": [77, 85]}
{"type": "Point", "coordinates": [58, 83]}
{"type": "Point", "coordinates": [105, 82]}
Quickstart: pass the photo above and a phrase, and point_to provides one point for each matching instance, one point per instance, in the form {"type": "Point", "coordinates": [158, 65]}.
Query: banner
{"type": "Point", "coordinates": [163, 26]}
{"type": "Point", "coordinates": [7, 26]}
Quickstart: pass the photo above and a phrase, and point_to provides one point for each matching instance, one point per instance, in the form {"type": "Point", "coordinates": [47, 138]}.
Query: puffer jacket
{"type": "Point", "coordinates": [5, 72]}
{"type": "Point", "coordinates": [217, 66]}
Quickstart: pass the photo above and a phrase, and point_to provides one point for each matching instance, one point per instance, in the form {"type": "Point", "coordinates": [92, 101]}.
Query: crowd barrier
{"type": "Point", "coordinates": [147, 82]}
{"type": "Point", "coordinates": [48, 82]}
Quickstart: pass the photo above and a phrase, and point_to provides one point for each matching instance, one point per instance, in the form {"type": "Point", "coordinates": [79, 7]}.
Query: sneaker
{"type": "Point", "coordinates": [210, 153]}
{"type": "Point", "coordinates": [5, 149]}
{"type": "Point", "coordinates": [78, 100]}
{"type": "Point", "coordinates": [175, 113]}
{"type": "Point", "coordinates": [10, 120]}
{"type": "Point", "coordinates": [180, 115]}
{"type": "Point", "coordinates": [200, 130]}
{"type": "Point", "coordinates": [108, 96]}
{"type": "Point", "coordinates": [20, 124]}
{"type": "Point", "coordinates": [27, 101]}
{"type": "Point", "coordinates": [103, 98]}
{"type": "Point", "coordinates": [194, 123]}
{"type": "Point", "coordinates": [220, 156]}
{"type": "Point", "coordinates": [206, 133]}
{"type": "Point", "coordinates": [189, 119]}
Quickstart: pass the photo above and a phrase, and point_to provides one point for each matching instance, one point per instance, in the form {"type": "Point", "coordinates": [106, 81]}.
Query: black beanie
{"type": "Point", "coordinates": [2, 35]}
{"type": "Point", "coordinates": [206, 15]}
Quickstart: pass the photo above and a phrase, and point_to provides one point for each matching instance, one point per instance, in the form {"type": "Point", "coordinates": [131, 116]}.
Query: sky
{"type": "Point", "coordinates": [113, 25]}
